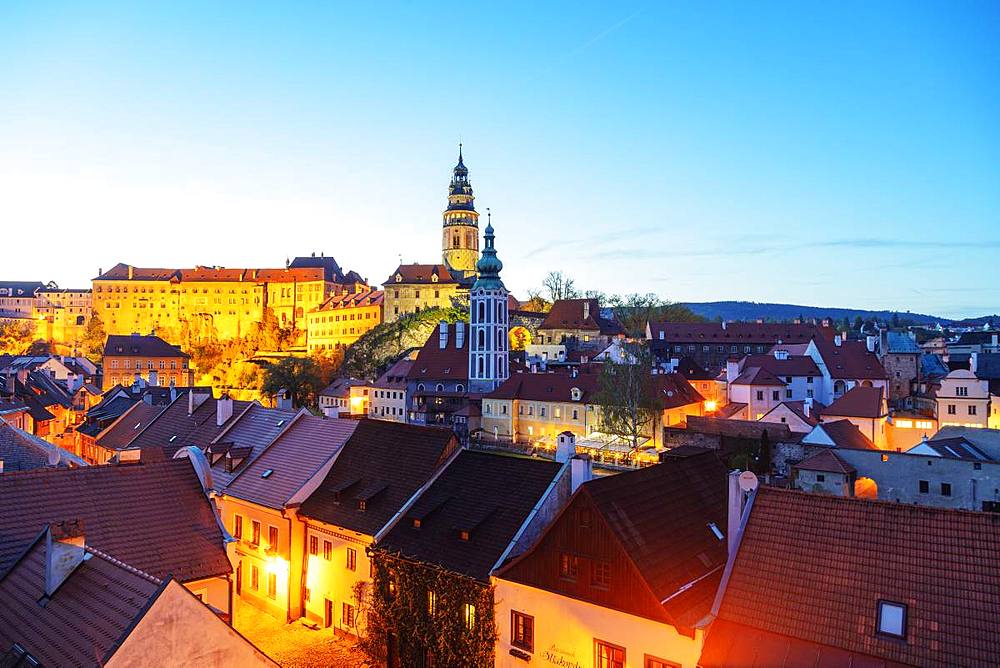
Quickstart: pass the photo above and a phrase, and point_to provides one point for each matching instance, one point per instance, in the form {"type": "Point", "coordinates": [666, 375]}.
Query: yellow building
{"type": "Point", "coordinates": [415, 287]}
{"type": "Point", "coordinates": [61, 315]}
{"type": "Point", "coordinates": [460, 236]}
{"type": "Point", "coordinates": [213, 302]}
{"type": "Point", "coordinates": [343, 318]}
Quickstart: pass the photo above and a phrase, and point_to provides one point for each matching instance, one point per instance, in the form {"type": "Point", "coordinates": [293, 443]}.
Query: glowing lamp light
{"type": "Point", "coordinates": [277, 565]}
{"type": "Point", "coordinates": [710, 406]}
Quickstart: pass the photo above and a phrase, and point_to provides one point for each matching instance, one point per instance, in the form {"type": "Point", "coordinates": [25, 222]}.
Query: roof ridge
{"type": "Point", "coordinates": [121, 564]}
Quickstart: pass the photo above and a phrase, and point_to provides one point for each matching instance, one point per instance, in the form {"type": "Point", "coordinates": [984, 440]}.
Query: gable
{"type": "Point", "coordinates": [540, 566]}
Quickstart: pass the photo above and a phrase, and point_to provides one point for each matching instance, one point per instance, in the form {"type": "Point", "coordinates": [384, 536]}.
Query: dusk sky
{"type": "Point", "coordinates": [832, 154]}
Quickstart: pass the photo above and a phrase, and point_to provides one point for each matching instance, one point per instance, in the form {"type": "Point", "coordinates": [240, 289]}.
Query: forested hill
{"type": "Point", "coordinates": [752, 311]}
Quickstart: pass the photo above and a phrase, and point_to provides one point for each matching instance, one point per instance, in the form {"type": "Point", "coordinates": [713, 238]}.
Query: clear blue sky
{"type": "Point", "coordinates": [836, 154]}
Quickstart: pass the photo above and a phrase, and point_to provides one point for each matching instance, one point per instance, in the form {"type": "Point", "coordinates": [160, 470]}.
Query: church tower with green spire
{"type": "Point", "coordinates": [460, 239]}
{"type": "Point", "coordinates": [489, 322]}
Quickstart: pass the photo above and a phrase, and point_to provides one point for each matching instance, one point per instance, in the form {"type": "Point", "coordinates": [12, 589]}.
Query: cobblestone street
{"type": "Point", "coordinates": [295, 645]}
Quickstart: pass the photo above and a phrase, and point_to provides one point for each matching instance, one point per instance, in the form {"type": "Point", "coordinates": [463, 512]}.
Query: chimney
{"type": "Point", "coordinates": [586, 309]}
{"type": "Point", "coordinates": [723, 325]}
{"type": "Point", "coordinates": [565, 446]}
{"type": "Point", "coordinates": [443, 335]}
{"type": "Point", "coordinates": [173, 391]}
{"type": "Point", "coordinates": [153, 378]}
{"type": "Point", "coordinates": [807, 405]}
{"type": "Point", "coordinates": [581, 470]}
{"type": "Point", "coordinates": [870, 343]}
{"type": "Point", "coordinates": [284, 400]}
{"type": "Point", "coordinates": [223, 410]}
{"type": "Point", "coordinates": [459, 334]}
{"type": "Point", "coordinates": [64, 551]}
{"type": "Point", "coordinates": [740, 485]}
{"type": "Point", "coordinates": [732, 370]}
{"type": "Point", "coordinates": [196, 397]}
{"type": "Point", "coordinates": [973, 362]}
{"type": "Point", "coordinates": [836, 340]}
{"type": "Point", "coordinates": [131, 272]}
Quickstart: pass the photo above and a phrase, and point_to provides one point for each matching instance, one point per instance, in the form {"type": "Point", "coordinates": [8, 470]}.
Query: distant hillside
{"type": "Point", "coordinates": [754, 311]}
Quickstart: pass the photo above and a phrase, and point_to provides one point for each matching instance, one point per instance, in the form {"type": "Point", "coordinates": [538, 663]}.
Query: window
{"type": "Point", "coordinates": [892, 619]}
{"type": "Point", "coordinates": [925, 487]}
{"type": "Point", "coordinates": [760, 395]}
{"type": "Point", "coordinates": [432, 602]}
{"type": "Point", "coordinates": [254, 578]}
{"type": "Point", "coordinates": [327, 550]}
{"type": "Point", "coordinates": [469, 616]}
{"type": "Point", "coordinates": [272, 538]}
{"type": "Point", "coordinates": [347, 615]}
{"type": "Point", "coordinates": [600, 574]}
{"type": "Point", "coordinates": [272, 585]}
{"type": "Point", "coordinates": [237, 526]}
{"type": "Point", "coordinates": [568, 566]}
{"type": "Point", "coordinates": [951, 409]}
{"type": "Point", "coordinates": [607, 655]}
{"type": "Point", "coordinates": [313, 545]}
{"type": "Point", "coordinates": [522, 631]}
{"type": "Point", "coordinates": [655, 662]}
{"type": "Point", "coordinates": [775, 394]}
{"type": "Point", "coordinates": [946, 489]}
{"type": "Point", "coordinates": [352, 559]}
{"type": "Point", "coordinates": [961, 391]}
{"type": "Point", "coordinates": [972, 410]}
{"type": "Point", "coordinates": [585, 518]}
{"type": "Point", "coordinates": [255, 532]}
{"type": "Point", "coordinates": [820, 477]}
{"type": "Point", "coordinates": [788, 394]}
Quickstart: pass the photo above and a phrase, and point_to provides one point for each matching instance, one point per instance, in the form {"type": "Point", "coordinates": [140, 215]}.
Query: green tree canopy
{"type": "Point", "coordinates": [627, 396]}
{"type": "Point", "coordinates": [299, 376]}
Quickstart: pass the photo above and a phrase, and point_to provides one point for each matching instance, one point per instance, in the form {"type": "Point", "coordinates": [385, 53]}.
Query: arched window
{"type": "Point", "coordinates": [479, 366]}
{"type": "Point", "coordinates": [461, 388]}
{"type": "Point", "coordinates": [838, 388]}
{"type": "Point", "coordinates": [420, 387]}
{"type": "Point", "coordinates": [500, 312]}
{"type": "Point", "coordinates": [439, 387]}
{"type": "Point", "coordinates": [481, 312]}
{"type": "Point", "coordinates": [501, 339]}
{"type": "Point", "coordinates": [480, 339]}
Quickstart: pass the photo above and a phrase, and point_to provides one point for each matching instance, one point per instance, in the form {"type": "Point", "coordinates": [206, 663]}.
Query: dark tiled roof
{"type": "Point", "coordinates": [691, 370]}
{"type": "Point", "coordinates": [956, 448]}
{"type": "Point", "coordinates": [901, 343]}
{"type": "Point", "coordinates": [420, 273]}
{"type": "Point", "coordinates": [988, 366]}
{"type": "Point", "coordinates": [814, 568]}
{"type": "Point", "coordinates": [861, 402]}
{"type": "Point", "coordinates": [120, 272]}
{"type": "Point", "coordinates": [249, 432]}
{"type": "Point", "coordinates": [757, 376]}
{"type": "Point", "coordinates": [740, 428]}
{"type": "Point", "coordinates": [20, 288]}
{"type": "Point", "coordinates": [174, 428]}
{"type": "Point", "coordinates": [826, 460]}
{"type": "Point", "coordinates": [488, 494]}
{"type": "Point", "coordinates": [341, 387]}
{"type": "Point", "coordinates": [394, 459]}
{"type": "Point", "coordinates": [395, 377]}
{"type": "Point", "coordinates": [154, 516]}
{"type": "Point", "coordinates": [293, 459]}
{"type": "Point", "coordinates": [123, 430]}
{"type": "Point", "coordinates": [733, 332]}
{"type": "Point", "coordinates": [661, 516]}
{"type": "Point", "coordinates": [369, 297]}
{"type": "Point", "coordinates": [331, 270]}
{"type": "Point", "coordinates": [93, 609]}
{"type": "Point", "coordinates": [849, 360]}
{"type": "Point", "coordinates": [672, 390]}
{"type": "Point", "coordinates": [793, 365]}
{"type": "Point", "coordinates": [20, 451]}
{"type": "Point", "coordinates": [436, 363]}
{"type": "Point", "coordinates": [129, 345]}
{"type": "Point", "coordinates": [845, 434]}
{"type": "Point", "coordinates": [581, 314]}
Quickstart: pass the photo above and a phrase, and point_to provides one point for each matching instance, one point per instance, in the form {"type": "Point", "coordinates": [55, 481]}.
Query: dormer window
{"type": "Point", "coordinates": [434, 278]}
{"type": "Point", "coordinates": [267, 473]}
{"type": "Point", "coordinates": [399, 278]}
{"type": "Point", "coordinates": [416, 523]}
{"type": "Point", "coordinates": [715, 530]}
{"type": "Point", "coordinates": [463, 535]}
{"type": "Point", "coordinates": [575, 394]}
{"type": "Point", "coordinates": [891, 619]}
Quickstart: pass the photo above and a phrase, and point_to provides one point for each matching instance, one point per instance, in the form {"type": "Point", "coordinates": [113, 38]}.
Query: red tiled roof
{"type": "Point", "coordinates": [815, 567]}
{"type": "Point", "coordinates": [672, 390]}
{"type": "Point", "coordinates": [863, 402]}
{"type": "Point", "coordinates": [798, 408]}
{"type": "Point", "coordinates": [156, 516]}
{"type": "Point", "coordinates": [730, 409]}
{"type": "Point", "coordinates": [120, 272]}
{"type": "Point", "coordinates": [250, 430]}
{"type": "Point", "coordinates": [546, 387]}
{"type": "Point", "coordinates": [86, 618]}
{"type": "Point", "coordinates": [717, 426]}
{"type": "Point", "coordinates": [293, 459]}
{"type": "Point", "coordinates": [850, 360]}
{"type": "Point", "coordinates": [826, 460]}
{"type": "Point", "coordinates": [174, 428]}
{"type": "Point", "coordinates": [369, 297]}
{"type": "Point", "coordinates": [132, 345]}
{"type": "Point", "coordinates": [395, 377]}
{"type": "Point", "coordinates": [758, 376]}
{"type": "Point", "coordinates": [733, 332]}
{"type": "Point", "coordinates": [290, 274]}
{"type": "Point", "coordinates": [436, 363]}
{"type": "Point", "coordinates": [582, 314]}
{"type": "Point", "coordinates": [382, 463]}
{"type": "Point", "coordinates": [793, 365]}
{"type": "Point", "coordinates": [420, 273]}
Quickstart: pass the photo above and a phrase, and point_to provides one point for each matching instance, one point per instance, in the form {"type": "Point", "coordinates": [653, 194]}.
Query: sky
{"type": "Point", "coordinates": [829, 154]}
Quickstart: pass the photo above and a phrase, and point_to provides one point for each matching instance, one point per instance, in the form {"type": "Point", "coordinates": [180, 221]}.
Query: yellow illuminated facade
{"type": "Point", "coordinates": [337, 567]}
{"type": "Point", "coordinates": [460, 236]}
{"type": "Point", "coordinates": [343, 319]}
{"type": "Point", "coordinates": [61, 315]}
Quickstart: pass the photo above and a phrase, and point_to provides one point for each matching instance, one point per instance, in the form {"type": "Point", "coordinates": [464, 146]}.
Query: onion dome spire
{"type": "Point", "coordinates": [489, 265]}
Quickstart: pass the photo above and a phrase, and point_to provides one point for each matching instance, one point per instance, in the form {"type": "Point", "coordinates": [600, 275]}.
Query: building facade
{"type": "Point", "coordinates": [61, 315]}
{"type": "Point", "coordinates": [156, 362]}
{"type": "Point", "coordinates": [489, 355]}
{"type": "Point", "coordinates": [342, 319]}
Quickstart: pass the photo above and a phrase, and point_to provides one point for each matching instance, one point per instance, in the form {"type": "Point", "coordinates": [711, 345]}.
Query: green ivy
{"type": "Point", "coordinates": [399, 614]}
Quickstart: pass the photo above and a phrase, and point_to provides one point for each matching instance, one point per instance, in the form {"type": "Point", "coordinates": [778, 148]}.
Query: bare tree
{"type": "Point", "coordinates": [560, 286]}
{"type": "Point", "coordinates": [627, 395]}
{"type": "Point", "coordinates": [634, 311]}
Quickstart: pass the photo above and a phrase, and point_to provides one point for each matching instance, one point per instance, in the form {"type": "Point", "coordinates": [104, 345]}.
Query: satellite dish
{"type": "Point", "coordinates": [748, 481]}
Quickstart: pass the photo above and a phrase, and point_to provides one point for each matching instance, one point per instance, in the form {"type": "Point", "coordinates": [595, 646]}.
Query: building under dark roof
{"type": "Point", "coordinates": [381, 466]}
{"type": "Point", "coordinates": [822, 580]}
{"type": "Point", "coordinates": [487, 495]}
{"type": "Point", "coordinates": [20, 451]}
{"type": "Point", "coordinates": [128, 345]}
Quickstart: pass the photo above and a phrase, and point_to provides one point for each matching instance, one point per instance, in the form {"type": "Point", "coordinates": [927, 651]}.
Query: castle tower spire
{"type": "Point", "coordinates": [489, 322]}
{"type": "Point", "coordinates": [460, 238]}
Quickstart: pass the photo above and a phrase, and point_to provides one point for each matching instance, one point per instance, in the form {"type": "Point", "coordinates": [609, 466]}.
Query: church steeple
{"type": "Point", "coordinates": [489, 323]}
{"type": "Point", "coordinates": [460, 240]}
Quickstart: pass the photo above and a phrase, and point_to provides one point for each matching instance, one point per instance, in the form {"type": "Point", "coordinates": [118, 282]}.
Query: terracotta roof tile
{"type": "Point", "coordinates": [859, 401]}
{"type": "Point", "coordinates": [850, 360]}
{"type": "Point", "coordinates": [132, 345]}
{"type": "Point", "coordinates": [436, 363]}
{"type": "Point", "coordinates": [814, 568]}
{"type": "Point", "coordinates": [421, 273]}
{"type": "Point", "coordinates": [733, 332]}
{"type": "Point", "coordinates": [129, 424]}
{"type": "Point", "coordinates": [581, 314]}
{"type": "Point", "coordinates": [826, 460]}
{"type": "Point", "coordinates": [845, 434]}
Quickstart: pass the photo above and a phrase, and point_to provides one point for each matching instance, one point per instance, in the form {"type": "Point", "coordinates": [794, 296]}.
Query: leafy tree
{"type": "Point", "coordinates": [300, 376]}
{"type": "Point", "coordinates": [626, 395]}
{"type": "Point", "coordinates": [328, 363]}
{"type": "Point", "coordinates": [380, 346]}
{"type": "Point", "coordinates": [634, 311]}
{"type": "Point", "coordinates": [859, 323]}
{"type": "Point", "coordinates": [536, 303]}
{"type": "Point", "coordinates": [94, 338]}
{"type": "Point", "coordinates": [560, 286]}
{"type": "Point", "coordinates": [16, 338]}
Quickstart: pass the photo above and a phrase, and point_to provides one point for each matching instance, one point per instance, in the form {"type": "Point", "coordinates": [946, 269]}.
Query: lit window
{"type": "Point", "coordinates": [432, 601]}
{"type": "Point", "coordinates": [522, 631]}
{"type": "Point", "coordinates": [327, 550]}
{"type": "Point", "coordinates": [892, 619]}
{"type": "Point", "coordinates": [352, 559]}
{"type": "Point", "coordinates": [313, 545]}
{"type": "Point", "coordinates": [568, 566]}
{"type": "Point", "coordinates": [469, 616]}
